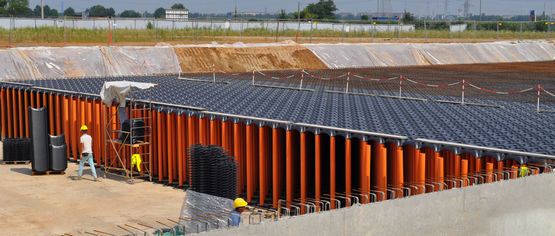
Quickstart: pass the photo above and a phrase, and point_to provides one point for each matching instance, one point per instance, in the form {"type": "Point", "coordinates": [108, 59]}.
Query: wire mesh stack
{"type": "Point", "coordinates": [212, 171]}
{"type": "Point", "coordinates": [17, 149]}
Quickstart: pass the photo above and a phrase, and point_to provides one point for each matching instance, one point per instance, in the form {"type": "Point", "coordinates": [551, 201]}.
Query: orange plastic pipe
{"type": "Point", "coordinates": [500, 168]}
{"type": "Point", "coordinates": [379, 160]}
{"type": "Point", "coordinates": [180, 149]}
{"type": "Point", "coordinates": [21, 109]}
{"type": "Point", "coordinates": [159, 146]}
{"type": "Point", "coordinates": [26, 112]}
{"type": "Point", "coordinates": [190, 131]}
{"type": "Point", "coordinates": [275, 168]}
{"type": "Point", "coordinates": [204, 131]}
{"type": "Point", "coordinates": [489, 171]}
{"type": "Point", "coordinates": [464, 171]}
{"type": "Point", "coordinates": [237, 152]}
{"type": "Point", "coordinates": [227, 136]}
{"type": "Point", "coordinates": [170, 147]}
{"type": "Point", "coordinates": [362, 166]}
{"type": "Point", "coordinates": [99, 131]}
{"type": "Point", "coordinates": [317, 166]}
{"type": "Point", "coordinates": [3, 100]}
{"type": "Point", "coordinates": [368, 165]}
{"type": "Point", "coordinates": [250, 162]}
{"type": "Point", "coordinates": [332, 170]}
{"type": "Point", "coordinates": [25, 117]}
{"type": "Point", "coordinates": [49, 101]}
{"type": "Point", "coordinates": [263, 163]}
{"type": "Point", "coordinates": [10, 118]}
{"type": "Point", "coordinates": [153, 163]}
{"type": "Point", "coordinates": [304, 186]}
{"type": "Point", "coordinates": [441, 171]}
{"type": "Point", "coordinates": [15, 123]}
{"type": "Point", "coordinates": [348, 153]}
{"type": "Point", "coordinates": [289, 166]}
{"type": "Point", "coordinates": [421, 174]}
{"type": "Point", "coordinates": [213, 132]}
{"type": "Point", "coordinates": [73, 127]}
{"type": "Point", "coordinates": [57, 115]}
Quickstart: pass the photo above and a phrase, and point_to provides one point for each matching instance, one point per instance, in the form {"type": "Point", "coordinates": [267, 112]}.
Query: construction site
{"type": "Point", "coordinates": [323, 138]}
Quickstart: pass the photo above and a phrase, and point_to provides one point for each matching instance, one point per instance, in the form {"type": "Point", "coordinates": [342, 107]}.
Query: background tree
{"type": "Point", "coordinates": [15, 8]}
{"type": "Point", "coordinates": [408, 18]}
{"type": "Point", "coordinates": [364, 18]}
{"type": "Point", "coordinates": [178, 6]}
{"type": "Point", "coordinates": [130, 14]}
{"type": "Point", "coordinates": [97, 11]}
{"type": "Point", "coordinates": [160, 13]}
{"type": "Point", "coordinates": [282, 14]}
{"type": "Point", "coordinates": [110, 12]}
{"type": "Point", "coordinates": [69, 12]}
{"type": "Point", "coordinates": [323, 9]}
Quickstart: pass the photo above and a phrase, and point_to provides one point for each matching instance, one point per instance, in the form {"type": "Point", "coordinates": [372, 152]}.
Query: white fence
{"type": "Point", "coordinates": [121, 23]}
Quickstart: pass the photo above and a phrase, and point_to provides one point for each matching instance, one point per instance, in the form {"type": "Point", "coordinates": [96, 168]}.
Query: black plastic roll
{"type": "Point", "coordinates": [58, 157]}
{"type": "Point", "coordinates": [57, 140]}
{"type": "Point", "coordinates": [138, 131]}
{"type": "Point", "coordinates": [38, 123]}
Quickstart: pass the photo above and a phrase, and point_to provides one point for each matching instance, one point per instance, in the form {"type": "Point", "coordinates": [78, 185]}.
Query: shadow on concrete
{"type": "Point", "coordinates": [25, 171]}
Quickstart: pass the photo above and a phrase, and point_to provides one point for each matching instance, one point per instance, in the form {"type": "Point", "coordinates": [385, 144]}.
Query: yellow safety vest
{"type": "Point", "coordinates": [523, 171]}
{"type": "Point", "coordinates": [136, 160]}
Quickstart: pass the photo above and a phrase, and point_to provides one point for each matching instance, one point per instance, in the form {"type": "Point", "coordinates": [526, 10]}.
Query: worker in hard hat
{"type": "Point", "coordinates": [238, 208]}
{"type": "Point", "coordinates": [86, 153]}
{"type": "Point", "coordinates": [524, 171]}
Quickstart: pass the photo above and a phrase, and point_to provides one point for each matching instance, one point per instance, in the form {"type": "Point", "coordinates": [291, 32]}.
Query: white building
{"type": "Point", "coordinates": [177, 14]}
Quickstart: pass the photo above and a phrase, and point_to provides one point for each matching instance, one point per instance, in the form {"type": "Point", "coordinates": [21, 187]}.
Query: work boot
{"type": "Point", "coordinates": [77, 178]}
{"type": "Point", "coordinates": [96, 179]}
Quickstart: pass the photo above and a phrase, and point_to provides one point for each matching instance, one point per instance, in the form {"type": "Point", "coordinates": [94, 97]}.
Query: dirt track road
{"type": "Point", "coordinates": [56, 204]}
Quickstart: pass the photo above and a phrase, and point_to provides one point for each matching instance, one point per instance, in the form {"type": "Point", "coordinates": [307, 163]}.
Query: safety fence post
{"type": "Point", "coordinates": [462, 94]}
{"type": "Point", "coordinates": [348, 79]}
{"type": "Point", "coordinates": [400, 85]}
{"type": "Point", "coordinates": [425, 30]}
{"type": "Point", "coordinates": [538, 104]}
{"type": "Point", "coordinates": [302, 78]}
{"type": "Point", "coordinates": [343, 33]}
{"type": "Point", "coordinates": [311, 25]}
{"type": "Point", "coordinates": [277, 30]}
{"type": "Point", "coordinates": [253, 76]}
{"type": "Point", "coordinates": [214, 73]}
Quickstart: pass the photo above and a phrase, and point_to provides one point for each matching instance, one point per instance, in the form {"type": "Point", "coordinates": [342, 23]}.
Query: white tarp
{"type": "Point", "coordinates": [116, 91]}
{"type": "Point", "coordinates": [410, 54]}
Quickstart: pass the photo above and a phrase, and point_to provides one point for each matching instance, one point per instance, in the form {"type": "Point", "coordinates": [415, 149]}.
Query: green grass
{"type": "Point", "coordinates": [56, 35]}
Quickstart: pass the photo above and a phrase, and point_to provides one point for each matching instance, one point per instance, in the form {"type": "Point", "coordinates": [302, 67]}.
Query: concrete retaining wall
{"type": "Point", "coordinates": [516, 207]}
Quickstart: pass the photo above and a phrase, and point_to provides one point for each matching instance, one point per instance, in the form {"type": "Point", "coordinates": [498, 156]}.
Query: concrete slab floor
{"type": "Point", "coordinates": [56, 204]}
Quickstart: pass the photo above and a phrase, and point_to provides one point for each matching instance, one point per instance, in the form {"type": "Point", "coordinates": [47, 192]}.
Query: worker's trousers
{"type": "Point", "coordinates": [90, 159]}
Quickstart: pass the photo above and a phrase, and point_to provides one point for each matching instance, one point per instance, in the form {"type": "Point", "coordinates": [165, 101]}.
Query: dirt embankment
{"type": "Point", "coordinates": [240, 59]}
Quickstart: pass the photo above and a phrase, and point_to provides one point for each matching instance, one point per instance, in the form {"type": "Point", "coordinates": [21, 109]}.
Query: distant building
{"type": "Point", "coordinates": [177, 14]}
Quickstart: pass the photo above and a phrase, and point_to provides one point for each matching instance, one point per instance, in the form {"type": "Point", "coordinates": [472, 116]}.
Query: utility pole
{"type": "Point", "coordinates": [42, 9]}
{"type": "Point", "coordinates": [480, 10]}
{"type": "Point", "coordinates": [298, 19]}
{"type": "Point", "coordinates": [235, 15]}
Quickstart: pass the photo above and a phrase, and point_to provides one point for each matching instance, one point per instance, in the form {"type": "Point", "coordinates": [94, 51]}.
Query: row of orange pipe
{"type": "Point", "coordinates": [272, 160]}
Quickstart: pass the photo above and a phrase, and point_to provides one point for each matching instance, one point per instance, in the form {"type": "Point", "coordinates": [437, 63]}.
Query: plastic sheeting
{"type": "Point", "coordinates": [376, 55]}
{"type": "Point", "coordinates": [202, 212]}
{"type": "Point", "coordinates": [71, 62]}
{"type": "Point", "coordinates": [115, 91]}
{"type": "Point", "coordinates": [141, 60]}
{"type": "Point", "coordinates": [49, 62]}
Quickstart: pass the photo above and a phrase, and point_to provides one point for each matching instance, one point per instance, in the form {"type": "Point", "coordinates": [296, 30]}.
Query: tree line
{"type": "Point", "coordinates": [20, 8]}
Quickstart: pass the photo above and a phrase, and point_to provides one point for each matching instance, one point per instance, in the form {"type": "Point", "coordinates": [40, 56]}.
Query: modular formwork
{"type": "Point", "coordinates": [285, 160]}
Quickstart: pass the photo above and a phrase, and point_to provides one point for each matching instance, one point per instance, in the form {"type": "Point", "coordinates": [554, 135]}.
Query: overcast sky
{"type": "Point", "coordinates": [418, 7]}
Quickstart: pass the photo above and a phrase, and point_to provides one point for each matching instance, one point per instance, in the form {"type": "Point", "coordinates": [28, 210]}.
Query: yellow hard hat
{"type": "Point", "coordinates": [84, 127]}
{"type": "Point", "coordinates": [239, 202]}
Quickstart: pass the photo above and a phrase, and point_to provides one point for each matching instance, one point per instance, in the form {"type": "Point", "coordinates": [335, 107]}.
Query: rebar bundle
{"type": "Point", "coordinates": [212, 171]}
